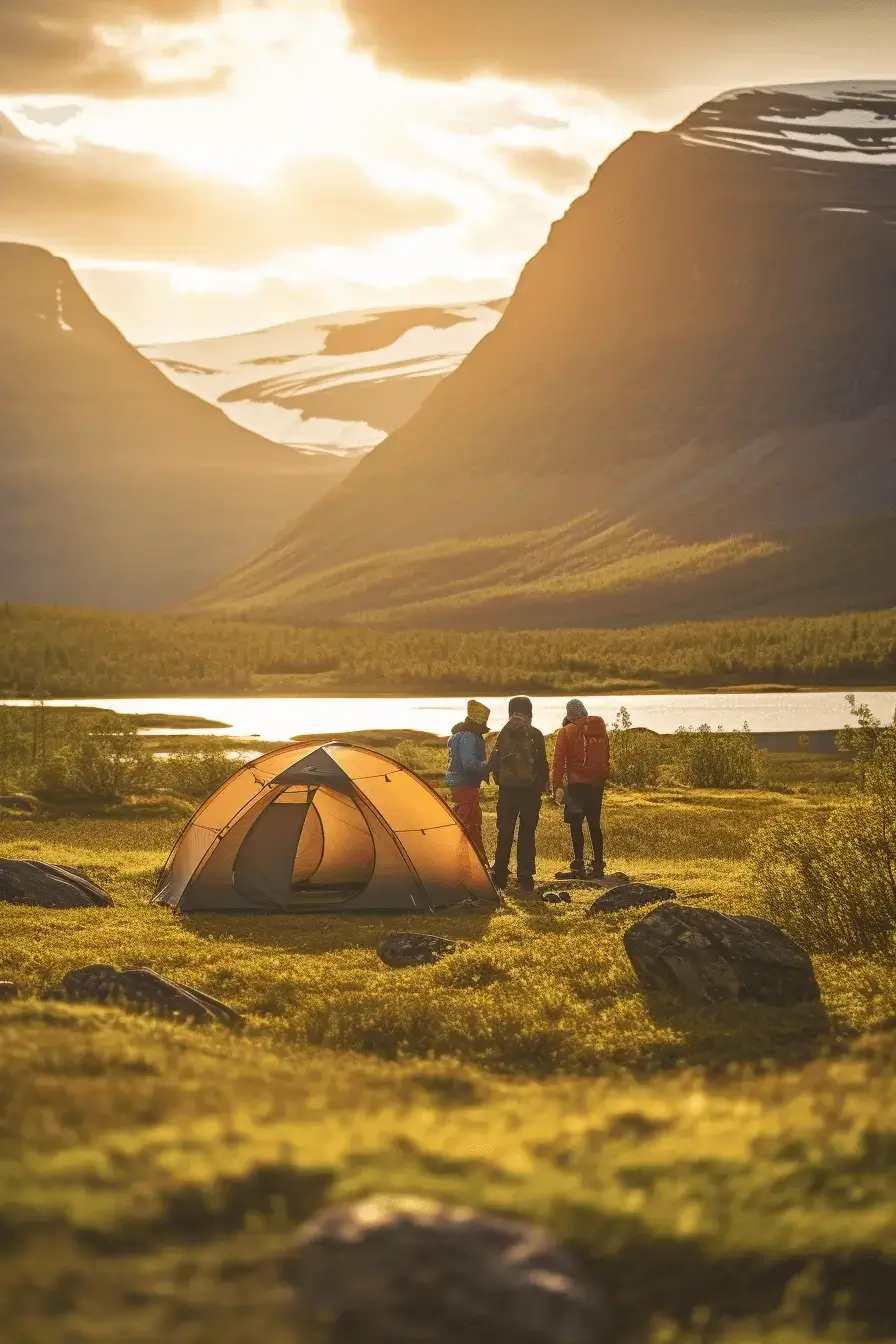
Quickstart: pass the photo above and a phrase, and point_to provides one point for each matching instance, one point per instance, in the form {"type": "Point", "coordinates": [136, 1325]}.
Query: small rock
{"type": "Point", "coordinates": [8, 991]}
{"type": "Point", "coordinates": [395, 1271]}
{"type": "Point", "coordinates": [704, 957]}
{"type": "Point", "coordinates": [413, 949]}
{"type": "Point", "coordinates": [556, 897]}
{"type": "Point", "coordinates": [606, 883]}
{"type": "Point", "coordinates": [144, 990]}
{"type": "Point", "coordinates": [28, 882]}
{"type": "Point", "coordinates": [629, 896]}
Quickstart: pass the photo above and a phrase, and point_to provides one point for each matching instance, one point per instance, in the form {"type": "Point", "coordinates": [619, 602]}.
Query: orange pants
{"type": "Point", "coordinates": [469, 813]}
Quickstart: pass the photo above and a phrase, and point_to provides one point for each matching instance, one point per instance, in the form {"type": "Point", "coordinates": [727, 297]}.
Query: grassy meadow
{"type": "Point", "coordinates": [65, 652]}
{"type": "Point", "coordinates": [728, 1173]}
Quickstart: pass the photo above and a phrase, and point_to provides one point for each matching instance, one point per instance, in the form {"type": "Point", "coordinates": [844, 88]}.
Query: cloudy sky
{"type": "Point", "coordinates": [218, 165]}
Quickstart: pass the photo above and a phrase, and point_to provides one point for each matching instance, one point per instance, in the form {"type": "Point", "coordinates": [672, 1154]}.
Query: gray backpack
{"type": "Point", "coordinates": [516, 756]}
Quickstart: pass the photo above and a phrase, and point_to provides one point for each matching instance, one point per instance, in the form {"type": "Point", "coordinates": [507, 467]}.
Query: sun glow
{"type": "Point", "coordinates": [298, 97]}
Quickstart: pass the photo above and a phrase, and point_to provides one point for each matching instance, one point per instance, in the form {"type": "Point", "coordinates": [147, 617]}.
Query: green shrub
{"type": "Point", "coordinates": [16, 750]}
{"type": "Point", "coordinates": [195, 774]}
{"type": "Point", "coordinates": [716, 760]}
{"type": "Point", "coordinates": [636, 754]}
{"type": "Point", "coordinates": [830, 880]}
{"type": "Point", "coordinates": [94, 758]}
{"type": "Point", "coordinates": [872, 746]}
{"type": "Point", "coordinates": [72, 753]}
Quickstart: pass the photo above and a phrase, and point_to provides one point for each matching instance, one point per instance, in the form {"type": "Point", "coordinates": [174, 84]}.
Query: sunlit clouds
{"type": "Point", "coordinates": [293, 176]}
{"type": "Point", "coordinates": [208, 166]}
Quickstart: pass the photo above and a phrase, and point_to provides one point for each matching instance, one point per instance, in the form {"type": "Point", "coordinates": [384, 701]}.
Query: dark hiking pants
{"type": "Point", "coordinates": [523, 806]}
{"type": "Point", "coordinates": [586, 801]}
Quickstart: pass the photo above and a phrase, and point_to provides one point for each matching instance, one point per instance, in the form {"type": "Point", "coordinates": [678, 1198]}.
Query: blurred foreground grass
{"type": "Point", "coordinates": [730, 1173]}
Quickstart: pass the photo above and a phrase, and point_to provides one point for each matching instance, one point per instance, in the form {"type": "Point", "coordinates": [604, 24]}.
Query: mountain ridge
{"type": "Point", "coordinates": [116, 488]}
{"type": "Point", "coordinates": [702, 351]}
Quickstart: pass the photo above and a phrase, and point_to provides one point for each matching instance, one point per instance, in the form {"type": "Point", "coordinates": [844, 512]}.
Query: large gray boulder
{"type": "Point", "coordinates": [408, 1271]}
{"type": "Point", "coordinates": [413, 949]}
{"type": "Point", "coordinates": [28, 882]}
{"type": "Point", "coordinates": [629, 896]}
{"type": "Point", "coordinates": [702, 956]}
{"type": "Point", "coordinates": [143, 990]}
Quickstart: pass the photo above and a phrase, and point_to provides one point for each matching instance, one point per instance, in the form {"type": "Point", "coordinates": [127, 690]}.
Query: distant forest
{"type": "Point", "coordinates": [64, 652]}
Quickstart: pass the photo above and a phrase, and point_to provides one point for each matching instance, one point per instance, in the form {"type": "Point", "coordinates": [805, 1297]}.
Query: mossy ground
{"type": "Point", "coordinates": [728, 1173]}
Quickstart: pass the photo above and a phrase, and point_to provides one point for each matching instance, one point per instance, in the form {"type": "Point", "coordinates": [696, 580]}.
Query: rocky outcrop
{"type": "Point", "coordinates": [386, 1270]}
{"type": "Point", "coordinates": [28, 882]}
{"type": "Point", "coordinates": [704, 349]}
{"type": "Point", "coordinates": [704, 957]}
{"type": "Point", "coordinates": [628, 896]}
{"type": "Point", "coordinates": [413, 949]}
{"type": "Point", "coordinates": [145, 991]}
{"type": "Point", "coordinates": [17, 802]}
{"type": "Point", "coordinates": [118, 489]}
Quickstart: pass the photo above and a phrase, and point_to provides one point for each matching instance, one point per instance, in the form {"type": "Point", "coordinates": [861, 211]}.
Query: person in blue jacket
{"type": "Point", "coordinates": [468, 770]}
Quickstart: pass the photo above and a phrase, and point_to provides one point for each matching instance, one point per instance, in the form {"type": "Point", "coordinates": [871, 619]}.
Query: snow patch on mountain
{"type": "Point", "coordinates": [335, 384]}
{"type": "Point", "coordinates": [850, 122]}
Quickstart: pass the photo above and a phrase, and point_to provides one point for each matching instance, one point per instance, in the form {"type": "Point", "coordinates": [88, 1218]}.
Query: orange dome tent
{"type": "Point", "coordinates": [323, 828]}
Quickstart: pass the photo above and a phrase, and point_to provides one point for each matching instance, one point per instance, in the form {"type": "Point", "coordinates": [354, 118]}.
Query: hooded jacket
{"type": "Point", "coordinates": [467, 766]}
{"type": "Point", "coordinates": [582, 752]}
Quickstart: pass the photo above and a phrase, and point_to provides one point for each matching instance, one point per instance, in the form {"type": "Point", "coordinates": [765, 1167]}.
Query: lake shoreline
{"type": "Point", "coordinates": [284, 718]}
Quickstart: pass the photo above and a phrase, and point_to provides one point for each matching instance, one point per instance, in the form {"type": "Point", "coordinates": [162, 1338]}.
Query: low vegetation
{"type": "Point", "coordinates": [830, 878]}
{"type": "Point", "coordinates": [729, 1174]}
{"type": "Point", "coordinates": [717, 760]}
{"type": "Point", "coordinates": [64, 652]}
{"type": "Point", "coordinates": [61, 755]}
{"type": "Point", "coordinates": [637, 754]}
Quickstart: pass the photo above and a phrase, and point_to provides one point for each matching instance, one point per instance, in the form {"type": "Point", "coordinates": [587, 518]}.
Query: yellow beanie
{"type": "Point", "coordinates": [478, 713]}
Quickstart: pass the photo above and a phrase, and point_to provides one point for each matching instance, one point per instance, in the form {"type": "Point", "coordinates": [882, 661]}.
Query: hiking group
{"type": "Point", "coordinates": [518, 763]}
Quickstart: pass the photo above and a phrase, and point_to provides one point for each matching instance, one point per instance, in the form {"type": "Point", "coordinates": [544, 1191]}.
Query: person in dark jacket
{"type": "Point", "coordinates": [519, 765]}
{"type": "Point", "coordinates": [581, 768]}
{"type": "Point", "coordinates": [468, 769]}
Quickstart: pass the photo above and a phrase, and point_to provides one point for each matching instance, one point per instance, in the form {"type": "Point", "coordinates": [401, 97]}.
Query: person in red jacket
{"type": "Point", "coordinates": [582, 760]}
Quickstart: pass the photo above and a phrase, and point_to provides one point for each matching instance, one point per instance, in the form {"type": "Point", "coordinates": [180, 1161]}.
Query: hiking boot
{"type": "Point", "coordinates": [573, 873]}
{"type": "Point", "coordinates": [526, 888]}
{"type": "Point", "coordinates": [498, 881]}
{"type": "Point", "coordinates": [596, 870]}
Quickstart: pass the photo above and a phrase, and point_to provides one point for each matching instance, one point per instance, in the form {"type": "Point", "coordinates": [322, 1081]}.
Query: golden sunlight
{"type": "Point", "coordinates": [308, 165]}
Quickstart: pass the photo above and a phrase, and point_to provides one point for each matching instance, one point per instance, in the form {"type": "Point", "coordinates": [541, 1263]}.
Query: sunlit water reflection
{"type": "Point", "coordinates": [277, 718]}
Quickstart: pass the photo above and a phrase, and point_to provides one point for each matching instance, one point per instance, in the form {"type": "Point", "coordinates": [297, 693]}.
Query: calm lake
{"type": "Point", "coordinates": [277, 718]}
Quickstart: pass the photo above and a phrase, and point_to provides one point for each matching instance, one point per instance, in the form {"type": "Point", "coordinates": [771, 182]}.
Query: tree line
{"type": "Point", "coordinates": [63, 652]}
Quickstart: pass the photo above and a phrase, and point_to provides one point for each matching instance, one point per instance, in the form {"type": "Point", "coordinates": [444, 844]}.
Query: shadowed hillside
{"type": "Point", "coordinates": [689, 405]}
{"type": "Point", "coordinates": [117, 488]}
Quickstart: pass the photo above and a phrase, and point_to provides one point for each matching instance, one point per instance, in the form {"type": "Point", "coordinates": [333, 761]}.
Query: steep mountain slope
{"type": "Point", "coordinates": [694, 383]}
{"type": "Point", "coordinates": [339, 383]}
{"type": "Point", "coordinates": [116, 488]}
